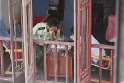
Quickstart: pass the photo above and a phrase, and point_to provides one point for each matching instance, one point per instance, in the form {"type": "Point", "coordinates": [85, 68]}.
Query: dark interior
{"type": "Point", "coordinates": [100, 12]}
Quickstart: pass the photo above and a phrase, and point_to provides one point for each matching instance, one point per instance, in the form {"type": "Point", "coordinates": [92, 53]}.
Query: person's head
{"type": "Point", "coordinates": [52, 24]}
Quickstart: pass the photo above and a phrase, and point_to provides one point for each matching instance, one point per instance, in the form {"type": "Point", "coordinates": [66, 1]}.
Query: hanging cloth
{"type": "Point", "coordinates": [111, 30]}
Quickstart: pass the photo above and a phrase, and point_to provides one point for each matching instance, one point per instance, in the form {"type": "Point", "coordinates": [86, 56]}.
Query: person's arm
{"type": "Point", "coordinates": [51, 35]}
{"type": "Point", "coordinates": [110, 33]}
{"type": "Point", "coordinates": [34, 31]}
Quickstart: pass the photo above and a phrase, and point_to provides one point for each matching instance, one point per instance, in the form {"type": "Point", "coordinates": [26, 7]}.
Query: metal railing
{"type": "Point", "coordinates": [55, 56]}
{"type": "Point", "coordinates": [17, 68]}
{"type": "Point", "coordinates": [101, 58]}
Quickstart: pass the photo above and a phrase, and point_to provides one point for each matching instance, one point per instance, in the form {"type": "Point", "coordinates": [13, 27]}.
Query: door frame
{"type": "Point", "coordinates": [75, 41]}
{"type": "Point", "coordinates": [85, 75]}
{"type": "Point", "coordinates": [76, 36]}
{"type": "Point", "coordinates": [28, 41]}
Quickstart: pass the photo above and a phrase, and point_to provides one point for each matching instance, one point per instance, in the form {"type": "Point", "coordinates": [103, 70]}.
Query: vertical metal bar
{"type": "Point", "coordinates": [75, 41]}
{"type": "Point", "coordinates": [31, 32]}
{"type": "Point", "coordinates": [66, 49]}
{"type": "Point", "coordinates": [2, 59]}
{"type": "Point", "coordinates": [15, 43]}
{"type": "Point", "coordinates": [87, 34]}
{"type": "Point", "coordinates": [22, 35]}
{"type": "Point", "coordinates": [90, 33]}
{"type": "Point", "coordinates": [111, 68]}
{"type": "Point", "coordinates": [119, 24]}
{"type": "Point", "coordinates": [55, 63]}
{"type": "Point", "coordinates": [100, 65]}
{"type": "Point", "coordinates": [78, 51]}
{"type": "Point", "coordinates": [25, 39]}
{"type": "Point", "coordinates": [14, 32]}
{"type": "Point", "coordinates": [35, 68]}
{"type": "Point", "coordinates": [45, 64]}
{"type": "Point", "coordinates": [88, 39]}
{"type": "Point", "coordinates": [10, 9]}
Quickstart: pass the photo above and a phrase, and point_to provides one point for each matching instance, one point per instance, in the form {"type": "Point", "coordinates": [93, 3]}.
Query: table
{"type": "Point", "coordinates": [61, 65]}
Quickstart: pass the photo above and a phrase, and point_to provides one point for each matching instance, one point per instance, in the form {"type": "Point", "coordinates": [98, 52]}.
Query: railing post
{"type": "Point", "coordinates": [11, 17]}
{"type": "Point", "coordinates": [111, 68]}
{"type": "Point", "coordinates": [55, 64]}
{"type": "Point", "coordinates": [66, 48]}
{"type": "Point", "coordinates": [101, 58]}
{"type": "Point", "coordinates": [45, 64]}
{"type": "Point", "coordinates": [15, 52]}
{"type": "Point", "coordinates": [100, 65]}
{"type": "Point", "coordinates": [35, 68]}
{"type": "Point", "coordinates": [2, 59]}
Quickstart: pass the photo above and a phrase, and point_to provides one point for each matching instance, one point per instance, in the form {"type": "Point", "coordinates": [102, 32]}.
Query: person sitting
{"type": "Point", "coordinates": [44, 31]}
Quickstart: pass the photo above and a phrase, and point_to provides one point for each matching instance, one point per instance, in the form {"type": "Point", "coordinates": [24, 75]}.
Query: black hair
{"type": "Point", "coordinates": [52, 22]}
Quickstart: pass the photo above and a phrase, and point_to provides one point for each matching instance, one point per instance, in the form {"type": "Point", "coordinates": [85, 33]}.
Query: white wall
{"type": "Point", "coordinates": [0, 8]}
{"type": "Point", "coordinates": [4, 10]}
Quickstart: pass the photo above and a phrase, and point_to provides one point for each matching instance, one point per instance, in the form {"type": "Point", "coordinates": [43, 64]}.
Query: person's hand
{"type": "Point", "coordinates": [51, 35]}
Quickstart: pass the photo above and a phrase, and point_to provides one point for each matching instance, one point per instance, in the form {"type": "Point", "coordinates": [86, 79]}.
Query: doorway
{"type": "Point", "coordinates": [82, 48]}
{"type": "Point", "coordinates": [101, 16]}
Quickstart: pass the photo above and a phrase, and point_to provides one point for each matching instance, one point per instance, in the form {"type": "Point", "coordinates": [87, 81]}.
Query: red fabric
{"type": "Point", "coordinates": [106, 63]}
{"type": "Point", "coordinates": [19, 54]}
{"type": "Point", "coordinates": [110, 33]}
{"type": "Point", "coordinates": [37, 19]}
{"type": "Point", "coordinates": [9, 45]}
